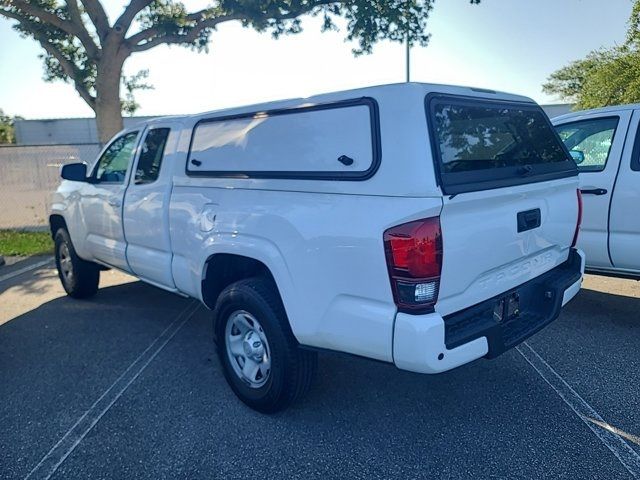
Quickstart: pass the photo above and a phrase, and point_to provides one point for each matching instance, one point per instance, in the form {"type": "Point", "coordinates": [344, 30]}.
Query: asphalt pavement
{"type": "Point", "coordinates": [127, 385]}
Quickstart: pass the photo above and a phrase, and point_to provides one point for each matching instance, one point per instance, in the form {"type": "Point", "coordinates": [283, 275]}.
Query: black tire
{"type": "Point", "coordinates": [85, 276]}
{"type": "Point", "coordinates": [292, 369]}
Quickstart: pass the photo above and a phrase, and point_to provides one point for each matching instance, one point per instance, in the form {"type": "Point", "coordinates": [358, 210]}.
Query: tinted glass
{"type": "Point", "coordinates": [114, 162]}
{"type": "Point", "coordinates": [482, 135]}
{"type": "Point", "coordinates": [151, 155]}
{"type": "Point", "coordinates": [589, 141]}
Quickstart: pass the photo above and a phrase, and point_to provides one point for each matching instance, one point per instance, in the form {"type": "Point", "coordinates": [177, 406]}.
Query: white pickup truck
{"type": "Point", "coordinates": [605, 143]}
{"type": "Point", "coordinates": [422, 225]}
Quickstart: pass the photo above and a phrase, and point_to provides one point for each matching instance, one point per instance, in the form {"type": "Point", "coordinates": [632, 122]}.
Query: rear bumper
{"type": "Point", "coordinates": [432, 344]}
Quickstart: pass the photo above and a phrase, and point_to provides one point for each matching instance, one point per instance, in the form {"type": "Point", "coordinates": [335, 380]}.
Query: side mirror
{"type": "Point", "coordinates": [577, 155]}
{"type": "Point", "coordinates": [76, 172]}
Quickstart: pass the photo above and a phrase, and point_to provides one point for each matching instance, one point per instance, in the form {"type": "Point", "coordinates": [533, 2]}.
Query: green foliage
{"type": "Point", "coordinates": [23, 243]}
{"type": "Point", "coordinates": [7, 133]}
{"type": "Point", "coordinates": [131, 84]}
{"type": "Point", "coordinates": [367, 21]}
{"type": "Point", "coordinates": [604, 77]}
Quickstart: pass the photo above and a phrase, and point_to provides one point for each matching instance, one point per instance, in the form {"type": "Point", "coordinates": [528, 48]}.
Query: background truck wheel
{"type": "Point", "coordinates": [79, 278]}
{"type": "Point", "coordinates": [261, 359]}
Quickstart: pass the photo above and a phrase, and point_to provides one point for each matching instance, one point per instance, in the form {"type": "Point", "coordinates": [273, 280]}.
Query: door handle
{"type": "Point", "coordinates": [115, 202]}
{"type": "Point", "coordinates": [528, 220]}
{"type": "Point", "coordinates": [593, 191]}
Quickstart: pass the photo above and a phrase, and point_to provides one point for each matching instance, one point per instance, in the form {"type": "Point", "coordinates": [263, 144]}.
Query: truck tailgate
{"type": "Point", "coordinates": [503, 238]}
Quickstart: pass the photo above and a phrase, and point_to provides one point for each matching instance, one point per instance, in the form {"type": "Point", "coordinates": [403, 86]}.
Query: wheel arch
{"type": "Point", "coordinates": [222, 269]}
{"type": "Point", "coordinates": [56, 222]}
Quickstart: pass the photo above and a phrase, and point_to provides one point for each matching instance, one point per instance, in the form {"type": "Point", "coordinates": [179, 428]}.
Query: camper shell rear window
{"type": "Point", "coordinates": [332, 141]}
{"type": "Point", "coordinates": [480, 144]}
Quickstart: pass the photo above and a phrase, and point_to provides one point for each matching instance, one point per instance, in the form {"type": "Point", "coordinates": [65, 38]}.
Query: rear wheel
{"type": "Point", "coordinates": [261, 359]}
{"type": "Point", "coordinates": [79, 278]}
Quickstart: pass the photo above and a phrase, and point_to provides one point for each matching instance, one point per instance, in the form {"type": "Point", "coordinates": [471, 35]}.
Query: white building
{"type": "Point", "coordinates": [557, 109]}
{"type": "Point", "coordinates": [62, 131]}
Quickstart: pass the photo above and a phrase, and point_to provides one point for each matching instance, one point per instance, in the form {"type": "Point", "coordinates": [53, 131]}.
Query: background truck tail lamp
{"type": "Point", "coordinates": [414, 258]}
{"type": "Point", "coordinates": [579, 221]}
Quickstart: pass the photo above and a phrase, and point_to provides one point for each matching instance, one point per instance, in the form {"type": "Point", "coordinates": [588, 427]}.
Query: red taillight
{"type": "Point", "coordinates": [579, 221]}
{"type": "Point", "coordinates": [414, 258]}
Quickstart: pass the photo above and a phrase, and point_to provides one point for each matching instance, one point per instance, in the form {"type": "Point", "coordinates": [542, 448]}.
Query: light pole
{"type": "Point", "coordinates": [408, 60]}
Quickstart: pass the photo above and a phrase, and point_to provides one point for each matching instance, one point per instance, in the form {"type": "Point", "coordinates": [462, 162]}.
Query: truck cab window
{"type": "Point", "coordinates": [114, 162]}
{"type": "Point", "coordinates": [589, 141]}
{"type": "Point", "coordinates": [151, 155]}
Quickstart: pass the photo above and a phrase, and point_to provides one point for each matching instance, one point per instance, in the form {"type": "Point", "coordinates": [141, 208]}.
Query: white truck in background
{"type": "Point", "coordinates": [422, 225]}
{"type": "Point", "coordinates": [605, 143]}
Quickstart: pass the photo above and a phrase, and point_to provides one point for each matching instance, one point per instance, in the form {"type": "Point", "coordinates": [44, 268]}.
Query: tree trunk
{"type": "Point", "coordinates": [108, 117]}
{"type": "Point", "coordinates": [107, 107]}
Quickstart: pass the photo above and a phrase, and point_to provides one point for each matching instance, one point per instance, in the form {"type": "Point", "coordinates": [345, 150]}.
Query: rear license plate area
{"type": "Point", "coordinates": [507, 308]}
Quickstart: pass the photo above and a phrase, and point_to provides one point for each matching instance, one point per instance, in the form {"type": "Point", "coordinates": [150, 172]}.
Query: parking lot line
{"type": "Point", "coordinates": [26, 269]}
{"type": "Point", "coordinates": [605, 432]}
{"type": "Point", "coordinates": [63, 448]}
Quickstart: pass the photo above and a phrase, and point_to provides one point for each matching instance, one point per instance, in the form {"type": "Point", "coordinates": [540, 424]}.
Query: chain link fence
{"type": "Point", "coordinates": [28, 177]}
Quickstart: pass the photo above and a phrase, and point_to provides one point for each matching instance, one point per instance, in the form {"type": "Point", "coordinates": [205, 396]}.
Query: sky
{"type": "Point", "coordinates": [508, 45]}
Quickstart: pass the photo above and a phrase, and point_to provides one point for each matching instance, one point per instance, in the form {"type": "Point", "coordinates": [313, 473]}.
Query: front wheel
{"type": "Point", "coordinates": [261, 359]}
{"type": "Point", "coordinates": [79, 278]}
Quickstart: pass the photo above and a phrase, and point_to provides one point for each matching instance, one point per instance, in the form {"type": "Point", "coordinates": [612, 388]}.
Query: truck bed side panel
{"type": "Point", "coordinates": [324, 250]}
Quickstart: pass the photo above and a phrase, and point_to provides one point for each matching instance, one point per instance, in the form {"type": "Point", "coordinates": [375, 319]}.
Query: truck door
{"type": "Point", "coordinates": [146, 214]}
{"type": "Point", "coordinates": [624, 223]}
{"type": "Point", "coordinates": [102, 200]}
{"type": "Point", "coordinates": [596, 142]}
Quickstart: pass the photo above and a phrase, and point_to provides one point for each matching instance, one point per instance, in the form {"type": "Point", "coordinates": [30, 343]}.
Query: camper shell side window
{"type": "Point", "coordinates": [333, 141]}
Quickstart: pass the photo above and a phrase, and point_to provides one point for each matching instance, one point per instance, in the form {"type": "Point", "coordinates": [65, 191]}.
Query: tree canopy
{"type": "Point", "coordinates": [608, 76]}
{"type": "Point", "coordinates": [83, 46]}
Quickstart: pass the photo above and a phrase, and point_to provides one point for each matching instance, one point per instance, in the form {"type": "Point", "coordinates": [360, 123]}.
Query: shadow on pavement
{"type": "Point", "coordinates": [362, 419]}
{"type": "Point", "coordinates": [620, 310]}
{"type": "Point", "coordinates": [58, 358]}
{"type": "Point", "coordinates": [594, 347]}
{"type": "Point", "coordinates": [35, 284]}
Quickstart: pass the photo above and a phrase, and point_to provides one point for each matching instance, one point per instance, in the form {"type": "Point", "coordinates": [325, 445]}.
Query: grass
{"type": "Point", "coordinates": [23, 243]}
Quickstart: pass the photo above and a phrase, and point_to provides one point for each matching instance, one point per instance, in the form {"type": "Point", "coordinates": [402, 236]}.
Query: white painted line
{"type": "Point", "coordinates": [617, 431]}
{"type": "Point", "coordinates": [61, 450]}
{"type": "Point", "coordinates": [612, 440]}
{"type": "Point", "coordinates": [26, 269]}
